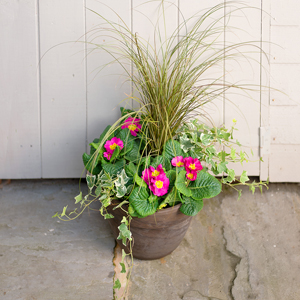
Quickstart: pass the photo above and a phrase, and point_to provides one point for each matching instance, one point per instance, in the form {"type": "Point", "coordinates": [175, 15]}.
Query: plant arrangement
{"type": "Point", "coordinates": [161, 155]}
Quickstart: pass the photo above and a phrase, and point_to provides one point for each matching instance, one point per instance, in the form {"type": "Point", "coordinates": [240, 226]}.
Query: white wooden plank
{"type": "Point", "coordinates": [285, 163]}
{"type": "Point", "coordinates": [63, 94]}
{"type": "Point", "coordinates": [19, 96]}
{"type": "Point", "coordinates": [265, 84]}
{"type": "Point", "coordinates": [285, 124]}
{"type": "Point", "coordinates": [285, 84]}
{"type": "Point", "coordinates": [285, 44]}
{"type": "Point", "coordinates": [245, 25]}
{"type": "Point", "coordinates": [285, 12]}
{"type": "Point", "coordinates": [106, 89]}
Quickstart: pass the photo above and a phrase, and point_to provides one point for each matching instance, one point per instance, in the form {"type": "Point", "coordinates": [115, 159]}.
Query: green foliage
{"type": "Point", "coordinates": [190, 206]}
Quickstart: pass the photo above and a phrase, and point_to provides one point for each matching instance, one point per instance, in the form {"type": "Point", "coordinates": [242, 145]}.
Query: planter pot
{"type": "Point", "coordinates": [154, 236]}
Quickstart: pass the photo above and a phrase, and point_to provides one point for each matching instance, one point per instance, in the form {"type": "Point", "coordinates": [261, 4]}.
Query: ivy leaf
{"type": "Point", "coordinates": [205, 186]}
{"type": "Point", "coordinates": [139, 200]}
{"type": "Point", "coordinates": [244, 177]}
{"type": "Point", "coordinates": [206, 139]}
{"type": "Point", "coordinates": [98, 190]}
{"type": "Point", "coordinates": [64, 211]}
{"type": "Point", "coordinates": [191, 207]}
{"type": "Point", "coordinates": [90, 181]}
{"type": "Point", "coordinates": [232, 153]}
{"type": "Point", "coordinates": [186, 144]}
{"type": "Point", "coordinates": [108, 216]}
{"type": "Point", "coordinates": [117, 284]}
{"type": "Point", "coordinates": [123, 267]}
{"type": "Point", "coordinates": [121, 191]}
{"type": "Point", "coordinates": [181, 185]}
{"type": "Point", "coordinates": [222, 167]}
{"type": "Point", "coordinates": [124, 233]}
{"type": "Point", "coordinates": [78, 198]}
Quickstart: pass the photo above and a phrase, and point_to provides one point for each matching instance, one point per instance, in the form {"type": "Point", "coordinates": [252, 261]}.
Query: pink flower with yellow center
{"type": "Point", "coordinates": [107, 155]}
{"type": "Point", "coordinates": [111, 145]}
{"type": "Point", "coordinates": [191, 176]}
{"type": "Point", "coordinates": [177, 161]}
{"type": "Point", "coordinates": [192, 167]}
{"type": "Point", "coordinates": [152, 173]}
{"type": "Point", "coordinates": [133, 125]}
{"type": "Point", "coordinates": [159, 185]}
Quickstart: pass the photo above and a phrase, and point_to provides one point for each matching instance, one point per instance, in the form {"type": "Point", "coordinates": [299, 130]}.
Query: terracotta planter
{"type": "Point", "coordinates": [154, 236]}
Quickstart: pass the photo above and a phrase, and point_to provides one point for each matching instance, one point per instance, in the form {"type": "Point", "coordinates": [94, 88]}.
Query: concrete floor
{"type": "Point", "coordinates": [235, 250]}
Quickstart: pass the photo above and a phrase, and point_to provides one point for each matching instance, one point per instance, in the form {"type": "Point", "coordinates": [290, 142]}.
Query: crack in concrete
{"type": "Point", "coordinates": [235, 261]}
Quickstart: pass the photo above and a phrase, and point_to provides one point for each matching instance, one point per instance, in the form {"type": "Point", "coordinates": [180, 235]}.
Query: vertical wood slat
{"type": "Point", "coordinates": [245, 108]}
{"type": "Point", "coordinates": [19, 93]}
{"type": "Point", "coordinates": [106, 88]}
{"type": "Point", "coordinates": [265, 82]}
{"type": "Point", "coordinates": [63, 93]}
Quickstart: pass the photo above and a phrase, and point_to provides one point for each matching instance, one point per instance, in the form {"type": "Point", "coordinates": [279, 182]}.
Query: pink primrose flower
{"type": "Point", "coordinates": [107, 155]}
{"type": "Point", "coordinates": [192, 176]}
{"type": "Point", "coordinates": [111, 145]}
{"type": "Point", "coordinates": [151, 172]}
{"type": "Point", "coordinates": [133, 125]}
{"type": "Point", "coordinates": [159, 185]}
{"type": "Point", "coordinates": [177, 161]}
{"type": "Point", "coordinates": [192, 167]}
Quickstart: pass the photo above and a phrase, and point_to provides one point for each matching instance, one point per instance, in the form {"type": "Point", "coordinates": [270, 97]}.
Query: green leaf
{"type": "Point", "coordinates": [252, 189]}
{"type": "Point", "coordinates": [91, 164]}
{"type": "Point", "coordinates": [113, 169]}
{"type": "Point", "coordinates": [222, 167]}
{"type": "Point", "coordinates": [152, 198]}
{"type": "Point", "coordinates": [123, 255]}
{"type": "Point", "coordinates": [180, 184]}
{"type": "Point", "coordinates": [78, 198]}
{"type": "Point", "coordinates": [172, 177]}
{"type": "Point", "coordinates": [130, 169]}
{"type": "Point", "coordinates": [124, 234]}
{"type": "Point", "coordinates": [161, 160]}
{"type": "Point", "coordinates": [191, 207]}
{"type": "Point", "coordinates": [91, 180]}
{"type": "Point", "coordinates": [117, 284]}
{"type": "Point", "coordinates": [123, 267]}
{"type": "Point", "coordinates": [172, 149]}
{"type": "Point", "coordinates": [64, 211]}
{"type": "Point", "coordinates": [121, 191]}
{"type": "Point", "coordinates": [206, 139]}
{"type": "Point", "coordinates": [172, 198]}
{"type": "Point", "coordinates": [240, 194]}
{"type": "Point", "coordinates": [98, 190]}
{"type": "Point", "coordinates": [205, 186]}
{"type": "Point", "coordinates": [231, 176]}
{"type": "Point", "coordinates": [244, 177]}
{"type": "Point", "coordinates": [115, 153]}
{"type": "Point", "coordinates": [186, 144]}
{"type": "Point", "coordinates": [134, 154]}
{"type": "Point", "coordinates": [232, 153]}
{"type": "Point", "coordinates": [139, 200]}
{"type": "Point", "coordinates": [108, 216]}
{"type": "Point", "coordinates": [139, 181]}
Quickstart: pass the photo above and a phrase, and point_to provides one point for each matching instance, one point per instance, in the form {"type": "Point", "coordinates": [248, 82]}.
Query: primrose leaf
{"type": "Point", "coordinates": [180, 184]}
{"type": "Point", "coordinates": [130, 169]}
{"type": "Point", "coordinates": [172, 149]}
{"type": "Point", "coordinates": [113, 169]}
{"type": "Point", "coordinates": [140, 202]}
{"type": "Point", "coordinates": [205, 186]}
{"type": "Point", "coordinates": [139, 181]}
{"type": "Point", "coordinates": [191, 207]}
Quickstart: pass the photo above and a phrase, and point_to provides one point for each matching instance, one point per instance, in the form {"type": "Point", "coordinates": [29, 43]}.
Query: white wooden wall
{"type": "Point", "coordinates": [54, 102]}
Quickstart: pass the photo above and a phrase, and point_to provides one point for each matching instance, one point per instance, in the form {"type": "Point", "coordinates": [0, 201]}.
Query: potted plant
{"type": "Point", "coordinates": [154, 166]}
